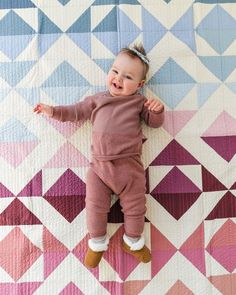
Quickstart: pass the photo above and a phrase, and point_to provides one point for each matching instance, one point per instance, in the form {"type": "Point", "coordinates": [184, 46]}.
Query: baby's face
{"type": "Point", "coordinates": [125, 76]}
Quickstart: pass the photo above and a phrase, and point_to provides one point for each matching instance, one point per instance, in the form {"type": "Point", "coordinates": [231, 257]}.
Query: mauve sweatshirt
{"type": "Point", "coordinates": [116, 121]}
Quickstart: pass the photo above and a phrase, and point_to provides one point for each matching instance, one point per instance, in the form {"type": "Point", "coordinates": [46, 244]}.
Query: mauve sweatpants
{"type": "Point", "coordinates": [124, 177]}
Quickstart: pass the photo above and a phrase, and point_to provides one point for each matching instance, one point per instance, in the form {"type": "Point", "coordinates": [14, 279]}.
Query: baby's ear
{"type": "Point", "coordinates": [141, 83]}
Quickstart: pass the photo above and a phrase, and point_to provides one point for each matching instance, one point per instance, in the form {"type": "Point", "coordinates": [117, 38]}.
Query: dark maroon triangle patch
{"type": "Point", "coordinates": [4, 192]}
{"type": "Point", "coordinates": [233, 186]}
{"type": "Point", "coordinates": [225, 208]}
{"type": "Point", "coordinates": [68, 206]}
{"type": "Point", "coordinates": [116, 215]}
{"type": "Point", "coordinates": [16, 214]}
{"type": "Point", "coordinates": [225, 146]}
{"type": "Point", "coordinates": [177, 204]}
{"type": "Point", "coordinates": [34, 187]}
{"type": "Point", "coordinates": [174, 154]}
{"type": "Point", "coordinates": [210, 183]}
{"type": "Point", "coordinates": [69, 184]}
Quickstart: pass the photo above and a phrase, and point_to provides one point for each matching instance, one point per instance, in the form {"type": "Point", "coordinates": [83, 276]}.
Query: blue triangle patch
{"type": "Point", "coordinates": [153, 30]}
{"type": "Point", "coordinates": [83, 41]}
{"type": "Point", "coordinates": [31, 95]}
{"type": "Point", "coordinates": [231, 86]}
{"type": "Point", "coordinates": [66, 95]}
{"type": "Point", "coordinates": [220, 66]}
{"type": "Point", "coordinates": [12, 24]}
{"type": "Point", "coordinates": [204, 91]}
{"type": "Point", "coordinates": [6, 4]}
{"type": "Point", "coordinates": [12, 46]}
{"type": "Point", "coordinates": [218, 28]}
{"type": "Point", "coordinates": [46, 26]}
{"type": "Point", "coordinates": [171, 94]}
{"type": "Point", "coordinates": [13, 72]}
{"type": "Point", "coordinates": [46, 41]}
{"type": "Point", "coordinates": [82, 24]}
{"type": "Point", "coordinates": [65, 75]}
{"type": "Point", "coordinates": [64, 2]}
{"type": "Point", "coordinates": [14, 131]}
{"type": "Point", "coordinates": [4, 93]}
{"type": "Point", "coordinates": [107, 2]}
{"type": "Point", "coordinates": [183, 29]}
{"type": "Point", "coordinates": [109, 39]}
{"type": "Point", "coordinates": [171, 73]}
{"type": "Point", "coordinates": [104, 64]}
{"type": "Point", "coordinates": [109, 23]}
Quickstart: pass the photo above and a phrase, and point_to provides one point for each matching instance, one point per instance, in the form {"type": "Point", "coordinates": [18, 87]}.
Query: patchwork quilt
{"type": "Point", "coordinates": [58, 52]}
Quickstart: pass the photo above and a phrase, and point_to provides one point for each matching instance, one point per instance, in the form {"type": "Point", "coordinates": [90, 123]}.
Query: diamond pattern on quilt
{"type": "Point", "coordinates": [11, 256]}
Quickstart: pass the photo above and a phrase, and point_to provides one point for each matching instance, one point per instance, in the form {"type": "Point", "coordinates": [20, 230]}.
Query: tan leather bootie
{"type": "Point", "coordinates": [142, 255]}
{"type": "Point", "coordinates": [92, 258]}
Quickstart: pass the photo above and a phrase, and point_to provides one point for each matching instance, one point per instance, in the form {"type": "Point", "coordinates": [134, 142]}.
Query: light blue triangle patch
{"type": "Point", "coordinates": [204, 91]}
{"type": "Point", "coordinates": [220, 66]}
{"type": "Point", "coordinates": [12, 46]}
{"type": "Point", "coordinates": [218, 28]}
{"type": "Point", "coordinates": [31, 95]}
{"type": "Point", "coordinates": [104, 64]}
{"type": "Point", "coordinates": [97, 89]}
{"type": "Point", "coordinates": [14, 131]}
{"type": "Point", "coordinates": [46, 41]}
{"type": "Point", "coordinates": [13, 72]}
{"type": "Point", "coordinates": [183, 29]}
{"type": "Point", "coordinates": [232, 86]}
{"type": "Point", "coordinates": [108, 39]}
{"type": "Point", "coordinates": [12, 24]}
{"type": "Point", "coordinates": [83, 41]}
{"type": "Point", "coordinates": [65, 75]}
{"type": "Point", "coordinates": [153, 30]}
{"type": "Point", "coordinates": [66, 95]}
{"type": "Point", "coordinates": [171, 73]}
{"type": "Point", "coordinates": [4, 93]}
{"type": "Point", "coordinates": [109, 23]}
{"type": "Point", "coordinates": [46, 26]}
{"type": "Point", "coordinates": [82, 24]}
{"type": "Point", "coordinates": [64, 2]}
{"type": "Point", "coordinates": [6, 4]}
{"type": "Point", "coordinates": [171, 94]}
{"type": "Point", "coordinates": [128, 30]}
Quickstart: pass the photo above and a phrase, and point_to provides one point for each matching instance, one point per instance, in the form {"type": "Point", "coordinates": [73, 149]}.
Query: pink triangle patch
{"type": "Point", "coordinates": [176, 120]}
{"type": "Point", "coordinates": [67, 128]}
{"type": "Point", "coordinates": [34, 187]}
{"type": "Point", "coordinates": [71, 288]}
{"type": "Point", "coordinates": [15, 153]}
{"type": "Point", "coordinates": [179, 288]}
{"type": "Point", "coordinates": [224, 125]}
{"type": "Point", "coordinates": [19, 288]}
{"type": "Point", "coordinates": [67, 156]}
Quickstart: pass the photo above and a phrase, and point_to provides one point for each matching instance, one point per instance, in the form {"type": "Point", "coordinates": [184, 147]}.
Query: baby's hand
{"type": "Point", "coordinates": [44, 109]}
{"type": "Point", "coordinates": [154, 105]}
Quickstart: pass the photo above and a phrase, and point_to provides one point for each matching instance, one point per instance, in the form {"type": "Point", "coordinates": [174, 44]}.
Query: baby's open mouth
{"type": "Point", "coordinates": [116, 86]}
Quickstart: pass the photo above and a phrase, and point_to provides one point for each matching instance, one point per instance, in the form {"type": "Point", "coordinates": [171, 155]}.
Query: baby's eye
{"type": "Point", "coordinates": [115, 71]}
{"type": "Point", "coordinates": [128, 77]}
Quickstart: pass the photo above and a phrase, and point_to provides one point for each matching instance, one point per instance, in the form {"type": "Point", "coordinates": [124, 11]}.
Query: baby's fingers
{"type": "Point", "coordinates": [38, 108]}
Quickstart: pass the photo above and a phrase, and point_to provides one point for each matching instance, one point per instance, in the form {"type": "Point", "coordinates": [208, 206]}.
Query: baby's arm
{"type": "Point", "coordinates": [153, 112]}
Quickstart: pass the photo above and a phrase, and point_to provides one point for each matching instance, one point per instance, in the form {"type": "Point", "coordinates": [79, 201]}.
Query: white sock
{"type": "Point", "coordinates": [134, 243]}
{"type": "Point", "coordinates": [99, 243]}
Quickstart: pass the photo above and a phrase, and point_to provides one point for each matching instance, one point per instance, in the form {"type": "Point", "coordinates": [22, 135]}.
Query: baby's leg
{"type": "Point", "coordinates": [98, 198]}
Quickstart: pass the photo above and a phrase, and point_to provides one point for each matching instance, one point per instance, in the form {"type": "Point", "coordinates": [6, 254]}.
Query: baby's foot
{"type": "Point", "coordinates": [143, 255]}
{"type": "Point", "coordinates": [92, 258]}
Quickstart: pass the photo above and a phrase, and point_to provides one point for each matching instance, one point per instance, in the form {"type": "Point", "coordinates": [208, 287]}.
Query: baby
{"type": "Point", "coordinates": [116, 166]}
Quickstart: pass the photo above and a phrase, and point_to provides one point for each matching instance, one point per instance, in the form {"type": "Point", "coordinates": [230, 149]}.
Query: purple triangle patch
{"type": "Point", "coordinates": [174, 154]}
{"type": "Point", "coordinates": [16, 214]}
{"type": "Point", "coordinates": [67, 206]}
{"type": "Point", "coordinates": [34, 187]}
{"type": "Point", "coordinates": [225, 208]}
{"type": "Point", "coordinates": [69, 184]}
{"type": "Point", "coordinates": [175, 182]}
{"type": "Point", "coordinates": [4, 192]}
{"type": "Point", "coordinates": [210, 183]}
{"type": "Point", "coordinates": [177, 203]}
{"type": "Point", "coordinates": [225, 146]}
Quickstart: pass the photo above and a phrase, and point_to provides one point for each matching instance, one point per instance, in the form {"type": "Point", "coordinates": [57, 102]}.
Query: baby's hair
{"type": "Point", "coordinates": [132, 53]}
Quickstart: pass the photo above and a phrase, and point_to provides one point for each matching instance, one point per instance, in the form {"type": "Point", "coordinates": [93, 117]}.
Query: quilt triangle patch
{"type": "Point", "coordinates": [5, 4]}
{"type": "Point", "coordinates": [34, 187]}
{"type": "Point", "coordinates": [174, 154]}
{"type": "Point", "coordinates": [4, 192]}
{"type": "Point", "coordinates": [210, 183]}
{"type": "Point", "coordinates": [46, 26]}
{"type": "Point", "coordinates": [82, 24]}
{"type": "Point", "coordinates": [16, 214]}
